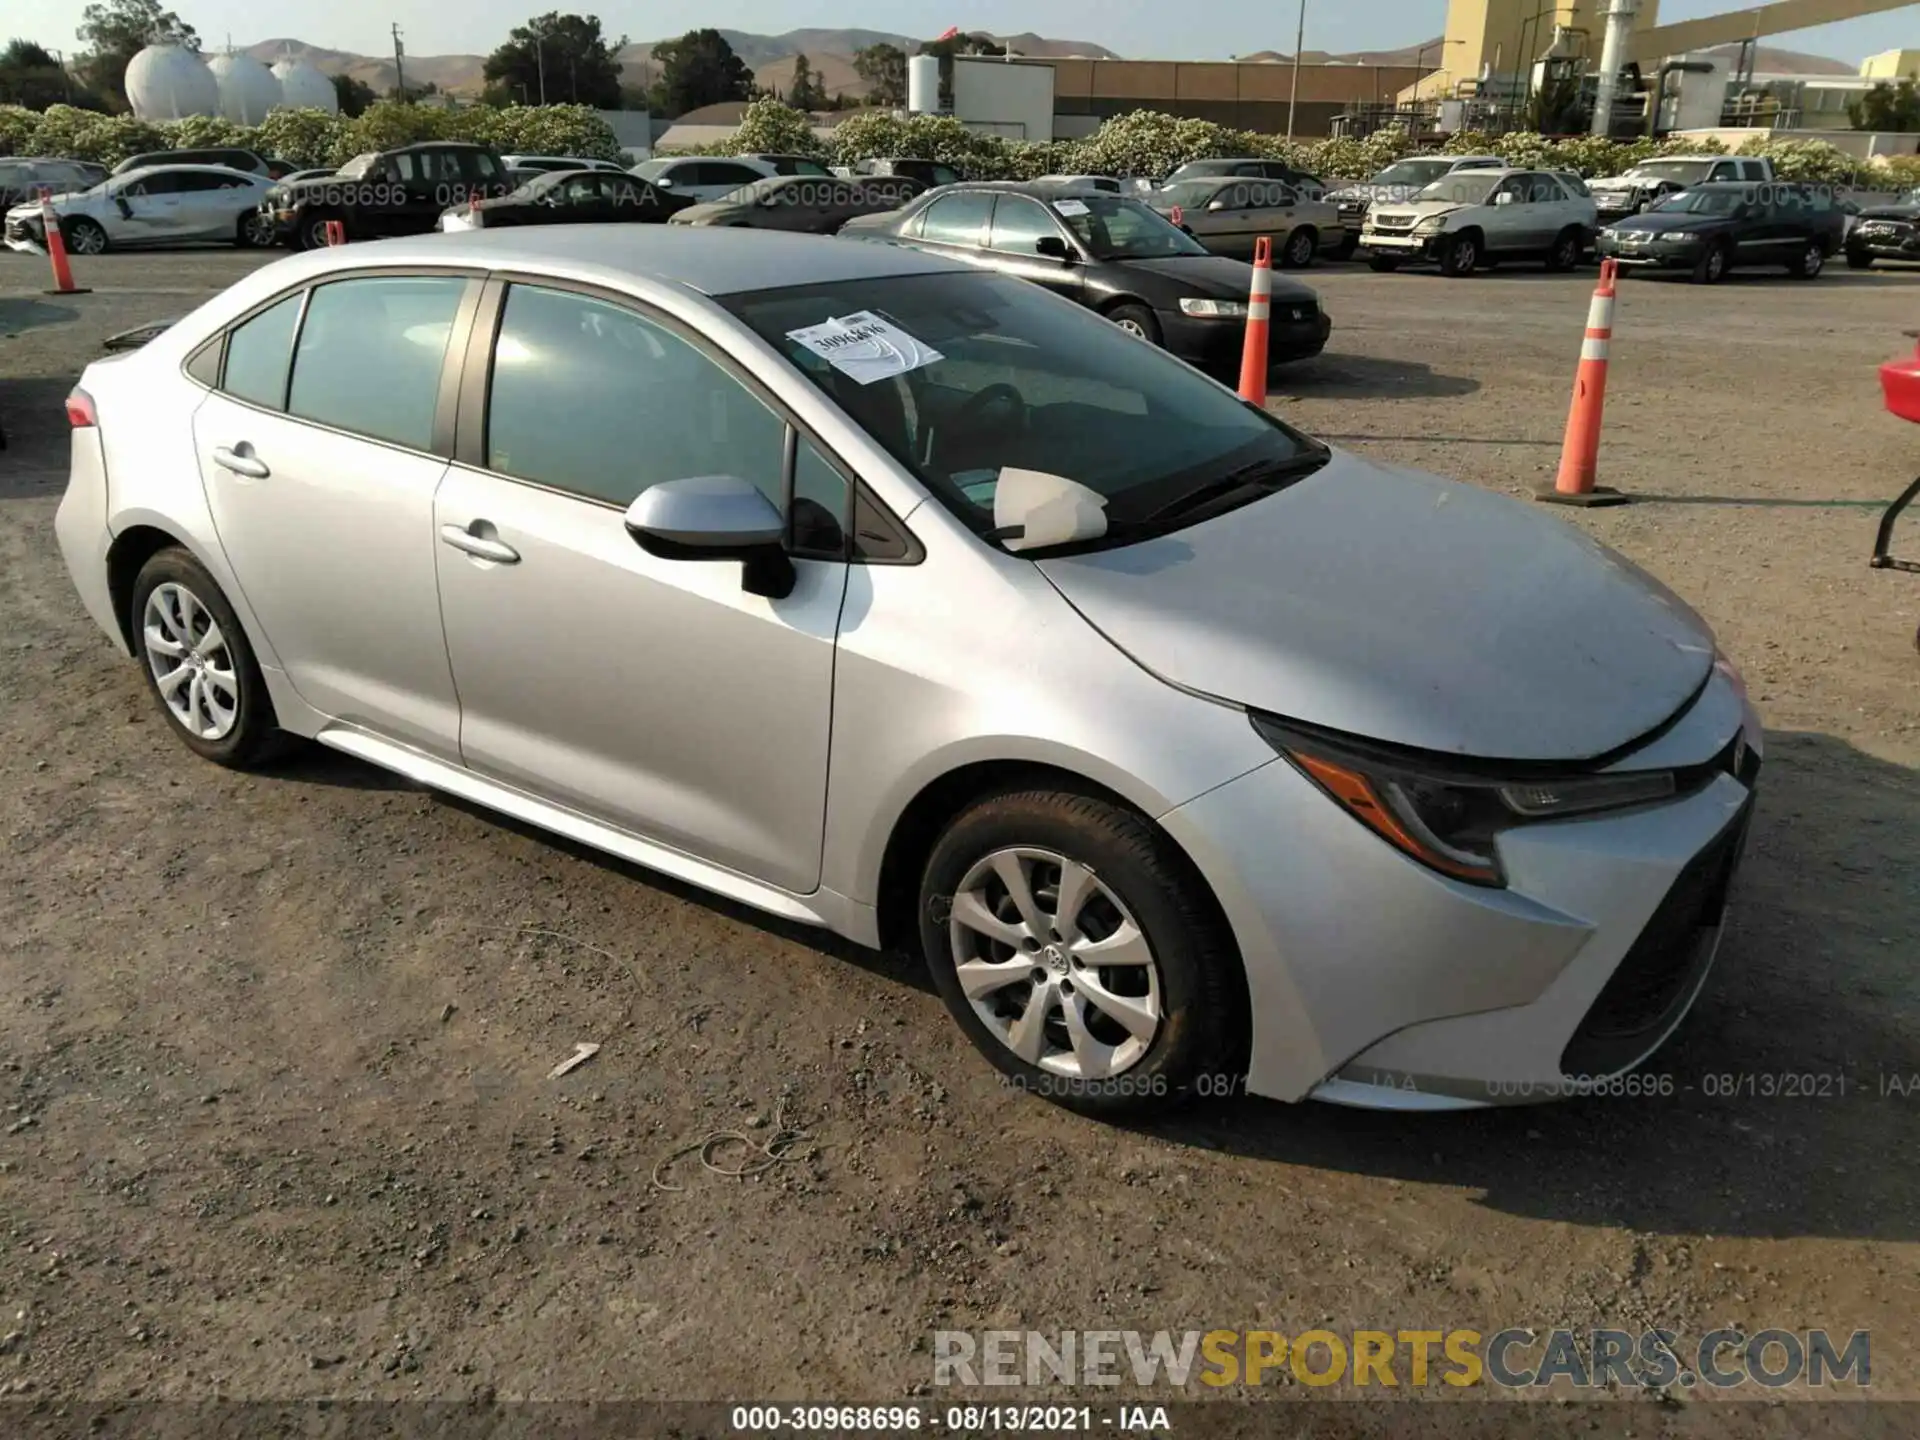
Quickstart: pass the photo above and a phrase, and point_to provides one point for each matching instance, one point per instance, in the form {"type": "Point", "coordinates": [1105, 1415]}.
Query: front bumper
{"type": "Point", "coordinates": [1213, 343]}
{"type": "Point", "coordinates": [1653, 255]}
{"type": "Point", "coordinates": [1885, 247]}
{"type": "Point", "coordinates": [26, 235]}
{"type": "Point", "coordinates": [1400, 244]}
{"type": "Point", "coordinates": [1376, 982]}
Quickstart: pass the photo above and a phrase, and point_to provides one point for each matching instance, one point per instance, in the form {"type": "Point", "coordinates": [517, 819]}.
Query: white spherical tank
{"type": "Point", "coordinates": [304, 88]}
{"type": "Point", "coordinates": [165, 82]}
{"type": "Point", "coordinates": [248, 90]}
{"type": "Point", "coordinates": [923, 84]}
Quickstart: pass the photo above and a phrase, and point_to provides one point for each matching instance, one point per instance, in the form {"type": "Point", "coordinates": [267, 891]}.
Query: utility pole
{"type": "Point", "coordinates": [1613, 55]}
{"type": "Point", "coordinates": [399, 70]}
{"type": "Point", "coordinates": [540, 58]}
{"type": "Point", "coordinates": [1299, 39]}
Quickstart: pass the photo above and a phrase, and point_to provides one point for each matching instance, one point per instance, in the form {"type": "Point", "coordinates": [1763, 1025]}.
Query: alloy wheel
{"type": "Point", "coordinates": [192, 667]}
{"type": "Point", "coordinates": [87, 239]}
{"type": "Point", "coordinates": [1132, 326]}
{"type": "Point", "coordinates": [1300, 248]}
{"type": "Point", "coordinates": [258, 230]}
{"type": "Point", "coordinates": [1815, 259]}
{"type": "Point", "coordinates": [1054, 964]}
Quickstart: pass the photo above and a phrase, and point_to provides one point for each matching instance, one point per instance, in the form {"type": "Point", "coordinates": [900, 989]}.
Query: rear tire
{"type": "Point", "coordinates": [1567, 249]}
{"type": "Point", "coordinates": [312, 232]}
{"type": "Point", "coordinates": [1808, 264]}
{"type": "Point", "coordinates": [1136, 320]}
{"type": "Point", "coordinates": [199, 666]}
{"type": "Point", "coordinates": [1302, 245]}
{"type": "Point", "coordinates": [255, 231]}
{"type": "Point", "coordinates": [1152, 1027]}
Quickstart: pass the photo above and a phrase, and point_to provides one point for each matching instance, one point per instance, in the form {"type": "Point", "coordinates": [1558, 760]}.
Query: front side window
{"type": "Point", "coordinates": [260, 355]}
{"type": "Point", "coordinates": [591, 398]}
{"type": "Point", "coordinates": [1011, 376]}
{"type": "Point", "coordinates": [1546, 190]}
{"type": "Point", "coordinates": [1019, 224]}
{"type": "Point", "coordinates": [1112, 228]}
{"type": "Point", "coordinates": [371, 352]}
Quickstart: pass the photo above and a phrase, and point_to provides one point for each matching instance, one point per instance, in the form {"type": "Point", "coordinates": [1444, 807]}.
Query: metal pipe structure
{"type": "Point", "coordinates": [1613, 55]}
{"type": "Point", "coordinates": [1299, 39]}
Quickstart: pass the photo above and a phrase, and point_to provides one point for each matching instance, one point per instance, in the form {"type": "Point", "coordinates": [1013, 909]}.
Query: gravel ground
{"type": "Point", "coordinates": [273, 1048]}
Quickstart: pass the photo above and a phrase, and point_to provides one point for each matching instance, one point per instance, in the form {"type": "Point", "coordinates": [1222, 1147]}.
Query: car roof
{"type": "Point", "coordinates": [171, 169]}
{"type": "Point", "coordinates": [710, 262]}
{"type": "Point", "coordinates": [1039, 189]}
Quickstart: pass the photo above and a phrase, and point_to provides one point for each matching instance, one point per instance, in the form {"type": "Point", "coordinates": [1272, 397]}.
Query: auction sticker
{"type": "Point", "coordinates": [1071, 207]}
{"type": "Point", "coordinates": [866, 348]}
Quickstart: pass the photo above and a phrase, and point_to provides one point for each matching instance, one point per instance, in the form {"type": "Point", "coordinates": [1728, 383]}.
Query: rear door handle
{"type": "Point", "coordinates": [240, 464]}
{"type": "Point", "coordinates": [479, 546]}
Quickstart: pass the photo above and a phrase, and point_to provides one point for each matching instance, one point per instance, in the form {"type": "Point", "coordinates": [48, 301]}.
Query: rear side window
{"type": "Point", "coordinates": [958, 219]}
{"type": "Point", "coordinates": [370, 355]}
{"type": "Point", "coordinates": [260, 355]}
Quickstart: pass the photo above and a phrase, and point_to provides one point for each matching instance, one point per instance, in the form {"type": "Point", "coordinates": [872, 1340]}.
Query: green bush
{"type": "Point", "coordinates": [18, 126]}
{"type": "Point", "coordinates": [771, 128]}
{"type": "Point", "coordinates": [1814, 161]}
{"type": "Point", "coordinates": [536, 130]}
{"type": "Point", "coordinates": [874, 133]}
{"type": "Point", "coordinates": [306, 138]}
{"type": "Point", "coordinates": [202, 132]}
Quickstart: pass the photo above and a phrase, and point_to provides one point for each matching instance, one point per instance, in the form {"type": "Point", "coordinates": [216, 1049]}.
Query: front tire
{"type": "Point", "coordinates": [199, 666]}
{"type": "Point", "coordinates": [1460, 255]}
{"type": "Point", "coordinates": [1074, 944]}
{"type": "Point", "coordinates": [312, 232]}
{"type": "Point", "coordinates": [255, 231]}
{"type": "Point", "coordinates": [1302, 245]}
{"type": "Point", "coordinates": [1136, 320]}
{"type": "Point", "coordinates": [1712, 267]}
{"type": "Point", "coordinates": [84, 236]}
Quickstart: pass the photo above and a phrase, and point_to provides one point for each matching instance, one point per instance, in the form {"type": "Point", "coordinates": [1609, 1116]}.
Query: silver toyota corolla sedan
{"type": "Point", "coordinates": [920, 604]}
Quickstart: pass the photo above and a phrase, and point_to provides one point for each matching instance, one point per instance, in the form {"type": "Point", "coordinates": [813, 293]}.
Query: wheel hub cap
{"type": "Point", "coordinates": [1054, 964]}
{"type": "Point", "coordinates": [191, 665]}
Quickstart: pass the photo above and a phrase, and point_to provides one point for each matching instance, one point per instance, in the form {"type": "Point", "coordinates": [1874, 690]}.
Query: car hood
{"type": "Point", "coordinates": [1216, 277]}
{"type": "Point", "coordinates": [1421, 209]}
{"type": "Point", "coordinates": [1891, 212]}
{"type": "Point", "coordinates": [1407, 609]}
{"type": "Point", "coordinates": [712, 212]}
{"type": "Point", "coordinates": [1657, 220]}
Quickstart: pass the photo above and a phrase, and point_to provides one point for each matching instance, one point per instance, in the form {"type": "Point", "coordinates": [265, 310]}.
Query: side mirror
{"type": "Point", "coordinates": [1053, 247]}
{"type": "Point", "coordinates": [1216, 206]}
{"type": "Point", "coordinates": [663, 183]}
{"type": "Point", "coordinates": [124, 206]}
{"type": "Point", "coordinates": [1505, 197]}
{"type": "Point", "coordinates": [716, 517]}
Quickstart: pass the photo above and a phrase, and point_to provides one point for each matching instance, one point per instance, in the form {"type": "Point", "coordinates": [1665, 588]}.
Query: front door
{"type": "Point", "coordinates": [1019, 225]}
{"type": "Point", "coordinates": [150, 210]}
{"type": "Point", "coordinates": [655, 695]}
{"type": "Point", "coordinates": [320, 475]}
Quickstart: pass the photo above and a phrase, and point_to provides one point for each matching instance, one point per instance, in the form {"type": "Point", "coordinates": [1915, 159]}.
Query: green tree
{"type": "Point", "coordinates": [413, 92]}
{"type": "Point", "coordinates": [560, 60]}
{"type": "Point", "coordinates": [1556, 109]}
{"type": "Point", "coordinates": [354, 95]}
{"type": "Point", "coordinates": [30, 75]}
{"type": "Point", "coordinates": [1887, 107]}
{"type": "Point", "coordinates": [953, 45]}
{"type": "Point", "coordinates": [807, 92]}
{"type": "Point", "coordinates": [699, 69]}
{"type": "Point", "coordinates": [884, 68]}
{"type": "Point", "coordinates": [114, 31]}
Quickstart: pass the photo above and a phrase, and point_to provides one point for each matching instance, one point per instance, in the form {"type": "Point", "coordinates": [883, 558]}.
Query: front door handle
{"type": "Point", "coordinates": [479, 546]}
{"type": "Point", "coordinates": [241, 461]}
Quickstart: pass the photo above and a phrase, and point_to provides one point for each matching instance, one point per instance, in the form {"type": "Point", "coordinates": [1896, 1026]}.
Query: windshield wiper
{"type": "Point", "coordinates": [1262, 477]}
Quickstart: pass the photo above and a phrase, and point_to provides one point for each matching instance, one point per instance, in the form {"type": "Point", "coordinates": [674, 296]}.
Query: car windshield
{"type": "Point", "coordinates": [1115, 228]}
{"type": "Point", "coordinates": [1413, 172]}
{"type": "Point", "coordinates": [973, 373]}
{"type": "Point", "coordinates": [1702, 202]}
{"type": "Point", "coordinates": [1463, 187]}
{"type": "Point", "coordinates": [1686, 172]}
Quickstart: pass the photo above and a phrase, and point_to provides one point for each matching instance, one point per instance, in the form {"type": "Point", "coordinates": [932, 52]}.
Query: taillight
{"type": "Point", "coordinates": [80, 412]}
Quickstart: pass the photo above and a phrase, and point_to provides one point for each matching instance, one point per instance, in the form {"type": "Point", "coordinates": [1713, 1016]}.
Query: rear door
{"type": "Point", "coordinates": [209, 208]}
{"type": "Point", "coordinates": [956, 225]}
{"type": "Point", "coordinates": [320, 451]}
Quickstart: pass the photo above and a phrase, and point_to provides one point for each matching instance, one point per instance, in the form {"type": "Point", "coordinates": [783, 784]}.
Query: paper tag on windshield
{"type": "Point", "coordinates": [1071, 207]}
{"type": "Point", "coordinates": [866, 348]}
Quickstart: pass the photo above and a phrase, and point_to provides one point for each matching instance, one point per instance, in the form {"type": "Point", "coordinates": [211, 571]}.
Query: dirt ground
{"type": "Point", "coordinates": [274, 1048]}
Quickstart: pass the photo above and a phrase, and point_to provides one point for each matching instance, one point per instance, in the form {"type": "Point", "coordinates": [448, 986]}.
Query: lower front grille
{"type": "Point", "coordinates": [1660, 973]}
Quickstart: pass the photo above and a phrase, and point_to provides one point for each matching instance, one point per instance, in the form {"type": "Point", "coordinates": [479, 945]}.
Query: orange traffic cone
{"type": "Point", "coordinates": [336, 232]}
{"type": "Point", "coordinates": [57, 252]}
{"type": "Point", "coordinates": [475, 216]}
{"type": "Point", "coordinates": [1580, 450]}
{"type": "Point", "coordinates": [1253, 359]}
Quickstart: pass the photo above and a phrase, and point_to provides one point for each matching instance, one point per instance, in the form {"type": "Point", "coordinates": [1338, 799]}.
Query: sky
{"type": "Point", "coordinates": [1138, 29]}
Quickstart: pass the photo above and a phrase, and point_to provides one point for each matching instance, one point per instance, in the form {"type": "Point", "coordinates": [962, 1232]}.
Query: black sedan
{"type": "Point", "coordinates": [802, 203]}
{"type": "Point", "coordinates": [1711, 229]}
{"type": "Point", "coordinates": [569, 197]}
{"type": "Point", "coordinates": [1886, 232]}
{"type": "Point", "coordinates": [1112, 254]}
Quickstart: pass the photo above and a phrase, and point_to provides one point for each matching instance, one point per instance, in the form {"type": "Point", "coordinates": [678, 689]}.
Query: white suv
{"type": "Point", "coordinates": [1469, 217]}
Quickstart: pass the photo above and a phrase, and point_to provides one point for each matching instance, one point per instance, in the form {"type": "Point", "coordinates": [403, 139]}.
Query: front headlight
{"type": "Point", "coordinates": [1678, 237]}
{"type": "Point", "coordinates": [1214, 309]}
{"type": "Point", "coordinates": [1432, 225]}
{"type": "Point", "coordinates": [1446, 819]}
